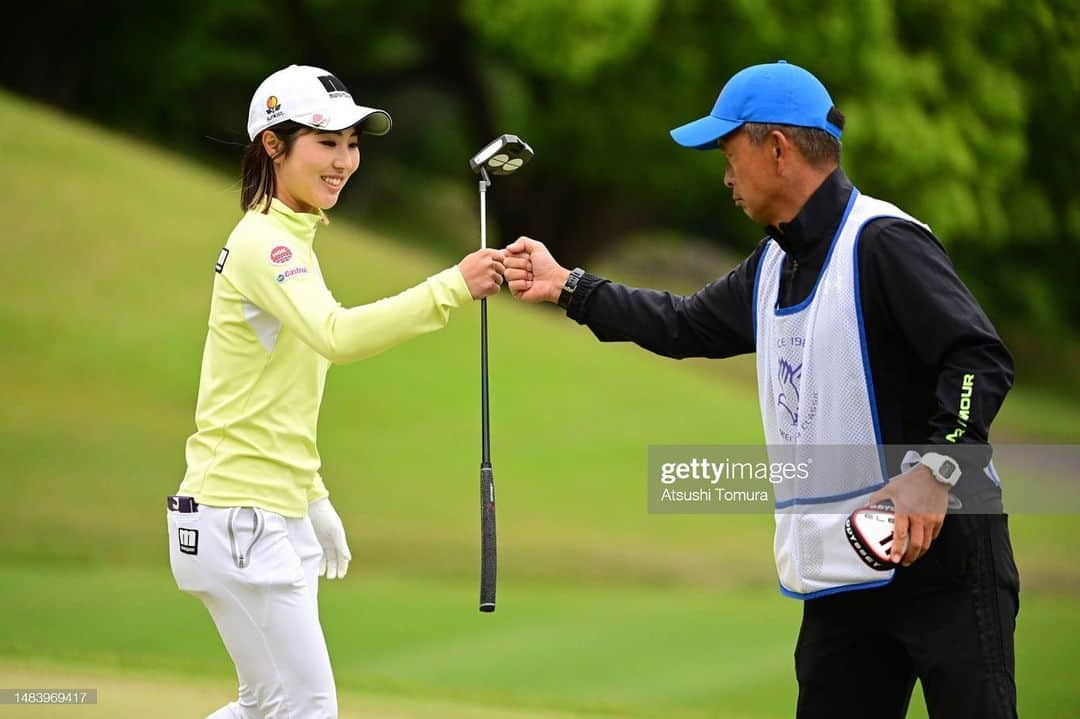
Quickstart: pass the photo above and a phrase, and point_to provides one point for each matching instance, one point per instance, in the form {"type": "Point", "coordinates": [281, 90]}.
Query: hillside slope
{"type": "Point", "coordinates": [108, 259]}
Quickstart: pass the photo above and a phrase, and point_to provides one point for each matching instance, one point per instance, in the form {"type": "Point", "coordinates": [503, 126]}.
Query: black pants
{"type": "Point", "coordinates": [948, 620]}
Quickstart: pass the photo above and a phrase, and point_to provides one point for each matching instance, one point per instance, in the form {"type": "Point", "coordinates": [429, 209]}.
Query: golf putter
{"type": "Point", "coordinates": [502, 156]}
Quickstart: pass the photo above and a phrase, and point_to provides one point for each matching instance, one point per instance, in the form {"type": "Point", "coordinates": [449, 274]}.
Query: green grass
{"type": "Point", "coordinates": [107, 258]}
{"type": "Point", "coordinates": [575, 648]}
{"type": "Point", "coordinates": [609, 652]}
{"type": "Point", "coordinates": [129, 695]}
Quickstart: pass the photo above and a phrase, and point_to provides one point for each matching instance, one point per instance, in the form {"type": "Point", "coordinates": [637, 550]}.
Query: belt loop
{"type": "Point", "coordinates": [184, 505]}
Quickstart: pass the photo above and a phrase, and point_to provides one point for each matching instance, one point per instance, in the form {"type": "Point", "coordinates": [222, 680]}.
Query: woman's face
{"type": "Point", "coordinates": [313, 174]}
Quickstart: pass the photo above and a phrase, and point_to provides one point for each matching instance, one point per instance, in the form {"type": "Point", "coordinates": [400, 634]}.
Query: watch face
{"type": "Point", "coordinates": [947, 468]}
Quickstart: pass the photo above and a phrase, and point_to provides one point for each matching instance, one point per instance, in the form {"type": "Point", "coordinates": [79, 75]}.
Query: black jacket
{"type": "Point", "coordinates": [925, 331]}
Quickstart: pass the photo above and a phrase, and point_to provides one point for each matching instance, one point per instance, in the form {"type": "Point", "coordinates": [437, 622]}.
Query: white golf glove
{"type": "Point", "coordinates": [331, 535]}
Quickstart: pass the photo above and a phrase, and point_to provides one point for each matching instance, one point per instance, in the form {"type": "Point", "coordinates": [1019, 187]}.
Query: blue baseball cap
{"type": "Point", "coordinates": [776, 93]}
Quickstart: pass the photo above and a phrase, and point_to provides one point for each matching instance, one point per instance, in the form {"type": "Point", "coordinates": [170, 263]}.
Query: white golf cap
{"type": "Point", "coordinates": [313, 97]}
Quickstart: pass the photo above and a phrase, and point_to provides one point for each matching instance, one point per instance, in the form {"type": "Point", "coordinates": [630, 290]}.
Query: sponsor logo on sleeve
{"type": "Point", "coordinates": [290, 273]}
{"type": "Point", "coordinates": [221, 260]}
{"type": "Point", "coordinates": [280, 255]}
{"type": "Point", "coordinates": [963, 414]}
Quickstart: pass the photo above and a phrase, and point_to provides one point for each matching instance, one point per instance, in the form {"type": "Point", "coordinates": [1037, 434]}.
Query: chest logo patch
{"type": "Point", "coordinates": [280, 255]}
{"type": "Point", "coordinates": [292, 272]}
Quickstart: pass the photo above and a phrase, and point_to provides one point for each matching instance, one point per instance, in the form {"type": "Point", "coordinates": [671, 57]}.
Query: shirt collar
{"type": "Point", "coordinates": [817, 219]}
{"type": "Point", "coordinates": [299, 224]}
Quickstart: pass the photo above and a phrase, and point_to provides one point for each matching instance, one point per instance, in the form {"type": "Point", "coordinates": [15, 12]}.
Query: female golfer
{"type": "Point", "coordinates": [251, 528]}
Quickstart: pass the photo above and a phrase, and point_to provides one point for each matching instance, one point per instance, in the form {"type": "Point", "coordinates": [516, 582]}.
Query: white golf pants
{"type": "Point", "coordinates": [257, 574]}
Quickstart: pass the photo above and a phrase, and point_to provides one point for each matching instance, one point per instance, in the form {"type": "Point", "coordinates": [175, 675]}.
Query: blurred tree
{"type": "Point", "coordinates": [959, 112]}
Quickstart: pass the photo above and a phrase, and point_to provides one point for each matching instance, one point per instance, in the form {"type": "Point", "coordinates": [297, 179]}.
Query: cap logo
{"type": "Point", "coordinates": [273, 108]}
{"type": "Point", "coordinates": [333, 86]}
{"type": "Point", "coordinates": [319, 120]}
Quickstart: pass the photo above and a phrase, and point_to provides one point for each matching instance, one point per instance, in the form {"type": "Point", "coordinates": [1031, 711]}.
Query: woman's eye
{"type": "Point", "coordinates": [354, 144]}
{"type": "Point", "coordinates": [328, 143]}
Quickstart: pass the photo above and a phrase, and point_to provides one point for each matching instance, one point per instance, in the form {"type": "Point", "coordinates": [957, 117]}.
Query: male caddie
{"type": "Point", "coordinates": [865, 337]}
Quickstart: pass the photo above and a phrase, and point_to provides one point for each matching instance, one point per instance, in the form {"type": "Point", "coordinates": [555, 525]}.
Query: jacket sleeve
{"type": "Point", "coordinates": [717, 321]}
{"type": "Point", "coordinates": [945, 328]}
{"type": "Point", "coordinates": [296, 295]}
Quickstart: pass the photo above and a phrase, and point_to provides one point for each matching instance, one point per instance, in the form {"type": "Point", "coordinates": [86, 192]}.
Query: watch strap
{"type": "Point", "coordinates": [569, 286]}
{"type": "Point", "coordinates": [944, 468]}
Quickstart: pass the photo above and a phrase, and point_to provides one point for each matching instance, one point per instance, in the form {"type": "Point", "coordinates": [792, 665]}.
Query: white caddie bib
{"type": "Point", "coordinates": [815, 389]}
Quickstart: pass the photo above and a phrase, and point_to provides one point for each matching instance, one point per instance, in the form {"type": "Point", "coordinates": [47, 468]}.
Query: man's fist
{"type": "Point", "coordinates": [532, 273]}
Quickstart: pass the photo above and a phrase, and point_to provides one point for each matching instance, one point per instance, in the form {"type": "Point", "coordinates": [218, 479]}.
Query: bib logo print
{"type": "Point", "coordinates": [189, 540]}
{"type": "Point", "coordinates": [795, 412]}
{"type": "Point", "coordinates": [789, 376]}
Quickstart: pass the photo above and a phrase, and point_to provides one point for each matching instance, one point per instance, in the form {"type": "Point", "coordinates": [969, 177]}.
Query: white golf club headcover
{"type": "Point", "coordinates": [870, 532]}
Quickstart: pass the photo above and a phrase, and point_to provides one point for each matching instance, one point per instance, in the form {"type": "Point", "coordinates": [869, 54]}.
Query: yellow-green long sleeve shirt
{"type": "Point", "coordinates": [274, 330]}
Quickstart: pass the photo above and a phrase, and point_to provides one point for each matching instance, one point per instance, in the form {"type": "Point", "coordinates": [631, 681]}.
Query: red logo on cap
{"type": "Point", "coordinates": [280, 255]}
{"type": "Point", "coordinates": [271, 102]}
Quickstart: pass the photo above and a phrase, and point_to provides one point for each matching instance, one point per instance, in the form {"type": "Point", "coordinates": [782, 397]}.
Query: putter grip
{"type": "Point", "coordinates": [488, 554]}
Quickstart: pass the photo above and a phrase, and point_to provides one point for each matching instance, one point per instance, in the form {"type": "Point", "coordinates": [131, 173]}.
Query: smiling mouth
{"type": "Point", "coordinates": [333, 182]}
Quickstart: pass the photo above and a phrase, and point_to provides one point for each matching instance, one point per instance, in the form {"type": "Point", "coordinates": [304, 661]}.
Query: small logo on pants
{"type": "Point", "coordinates": [189, 540]}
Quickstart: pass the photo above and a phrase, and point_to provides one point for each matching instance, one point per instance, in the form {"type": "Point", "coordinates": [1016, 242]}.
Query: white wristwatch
{"type": "Point", "coordinates": [945, 469]}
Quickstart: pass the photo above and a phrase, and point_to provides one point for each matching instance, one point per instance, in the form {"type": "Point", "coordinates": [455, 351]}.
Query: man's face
{"type": "Point", "coordinates": [751, 174]}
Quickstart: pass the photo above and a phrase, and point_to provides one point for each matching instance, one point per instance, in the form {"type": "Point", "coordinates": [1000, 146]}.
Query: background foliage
{"type": "Point", "coordinates": [958, 112]}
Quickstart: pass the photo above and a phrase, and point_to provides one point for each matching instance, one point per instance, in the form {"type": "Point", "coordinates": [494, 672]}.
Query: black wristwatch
{"type": "Point", "coordinates": [567, 293]}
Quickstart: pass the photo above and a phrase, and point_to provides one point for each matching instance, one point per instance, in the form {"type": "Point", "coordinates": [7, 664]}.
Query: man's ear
{"type": "Point", "coordinates": [778, 144]}
{"type": "Point", "coordinates": [780, 148]}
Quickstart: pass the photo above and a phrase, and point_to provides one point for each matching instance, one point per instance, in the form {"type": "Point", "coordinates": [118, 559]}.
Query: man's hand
{"type": "Point", "coordinates": [532, 273]}
{"type": "Point", "coordinates": [331, 535]}
{"type": "Point", "coordinates": [920, 502]}
{"type": "Point", "coordinates": [483, 272]}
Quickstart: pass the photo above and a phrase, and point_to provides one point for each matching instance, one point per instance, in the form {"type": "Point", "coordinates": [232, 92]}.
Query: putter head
{"type": "Point", "coordinates": [502, 156]}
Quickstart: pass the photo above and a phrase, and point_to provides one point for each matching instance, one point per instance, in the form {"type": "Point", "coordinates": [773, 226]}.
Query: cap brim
{"type": "Point", "coordinates": [372, 121]}
{"type": "Point", "coordinates": [369, 120]}
{"type": "Point", "coordinates": [702, 134]}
